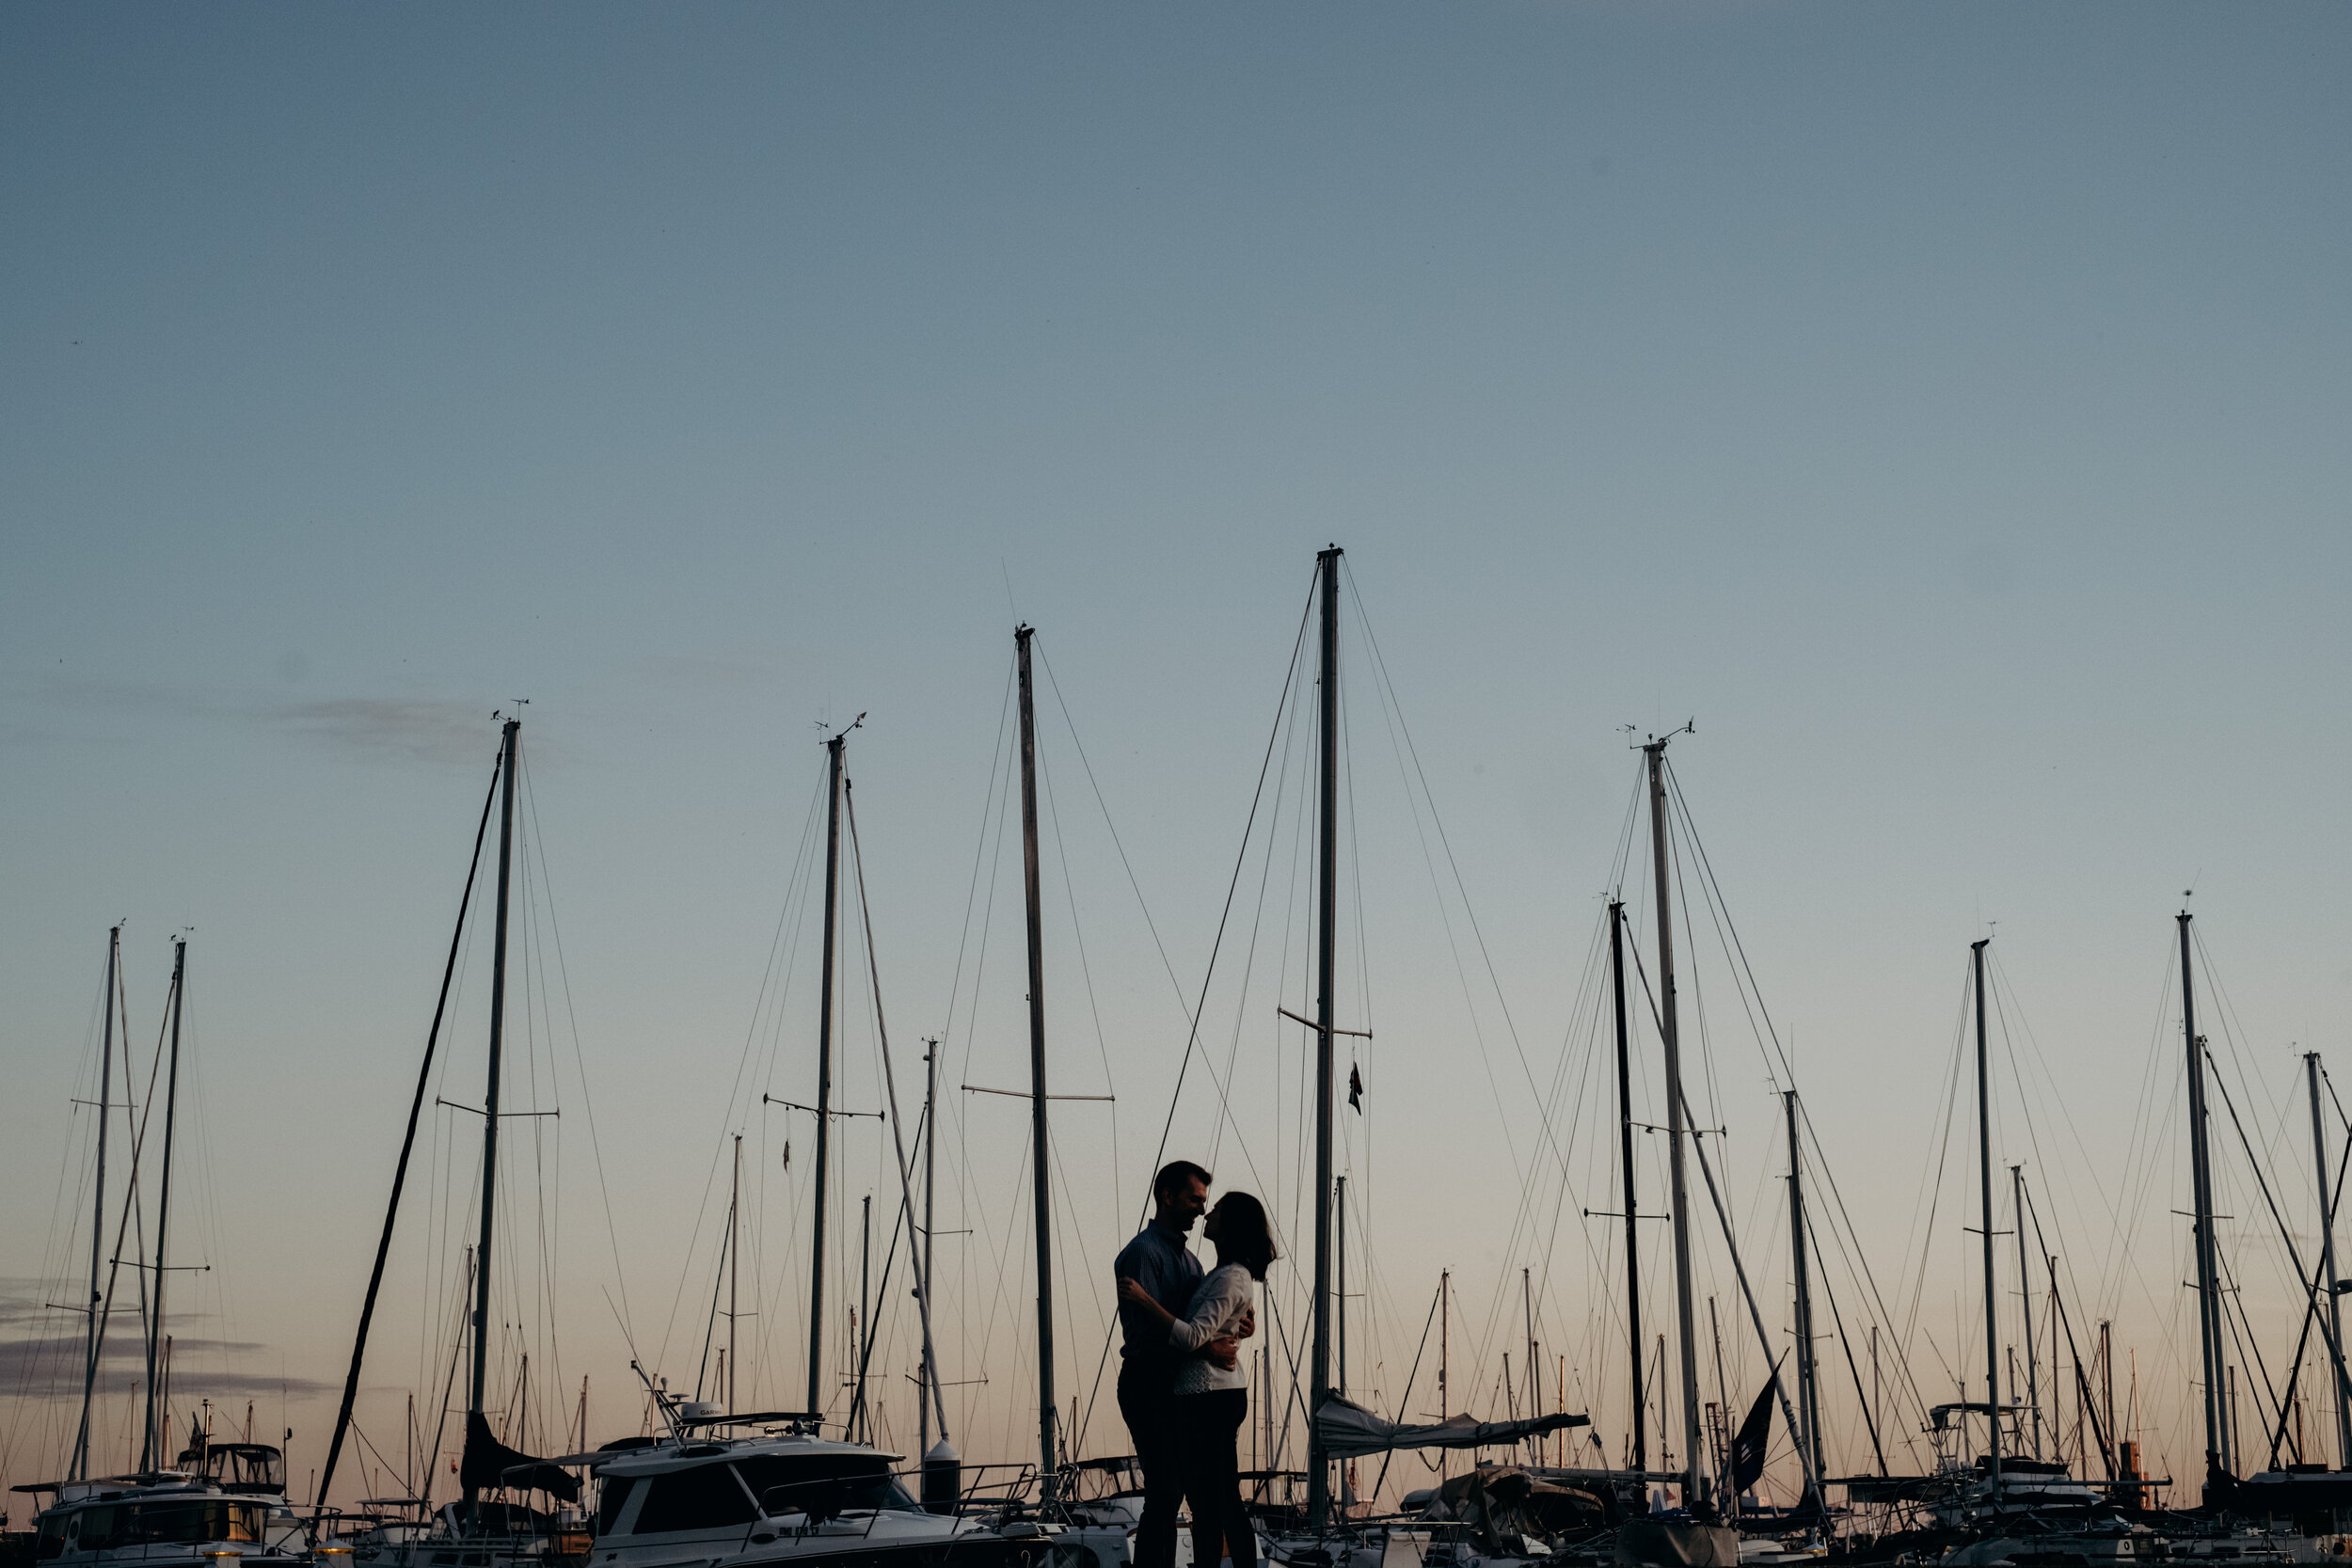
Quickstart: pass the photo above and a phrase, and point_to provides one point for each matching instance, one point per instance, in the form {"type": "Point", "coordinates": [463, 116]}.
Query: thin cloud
{"type": "Point", "coordinates": [414, 729]}
{"type": "Point", "coordinates": [122, 1367]}
{"type": "Point", "coordinates": [402, 729]}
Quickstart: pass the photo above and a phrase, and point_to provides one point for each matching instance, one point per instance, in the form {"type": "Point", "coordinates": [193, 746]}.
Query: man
{"type": "Point", "coordinates": [1159, 1260]}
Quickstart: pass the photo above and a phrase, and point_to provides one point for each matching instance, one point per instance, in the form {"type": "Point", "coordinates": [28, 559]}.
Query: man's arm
{"type": "Point", "coordinates": [1226, 1352]}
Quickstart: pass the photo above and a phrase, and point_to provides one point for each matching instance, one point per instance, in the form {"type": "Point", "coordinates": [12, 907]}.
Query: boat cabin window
{"type": "Point", "coordinates": [239, 1466]}
{"type": "Point", "coordinates": [705, 1498]}
{"type": "Point", "coordinates": [50, 1542]}
{"type": "Point", "coordinates": [196, 1520]}
{"type": "Point", "coordinates": [834, 1483]}
{"type": "Point", "coordinates": [612, 1497]}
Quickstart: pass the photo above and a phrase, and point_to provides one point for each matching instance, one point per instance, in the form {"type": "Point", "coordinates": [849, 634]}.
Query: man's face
{"type": "Point", "coordinates": [1185, 1202]}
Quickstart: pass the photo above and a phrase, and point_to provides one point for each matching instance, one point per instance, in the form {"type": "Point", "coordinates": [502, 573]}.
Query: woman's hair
{"type": "Point", "coordinates": [1243, 1235]}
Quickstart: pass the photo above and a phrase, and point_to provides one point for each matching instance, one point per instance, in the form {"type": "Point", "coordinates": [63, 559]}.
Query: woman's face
{"type": "Point", "coordinates": [1215, 1224]}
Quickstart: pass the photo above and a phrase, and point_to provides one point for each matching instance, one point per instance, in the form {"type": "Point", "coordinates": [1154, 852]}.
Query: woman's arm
{"type": "Point", "coordinates": [1212, 1316]}
{"type": "Point", "coordinates": [1132, 1293]}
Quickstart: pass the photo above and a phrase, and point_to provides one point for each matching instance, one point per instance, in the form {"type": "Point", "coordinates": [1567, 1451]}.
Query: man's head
{"type": "Point", "coordinates": [1180, 1192]}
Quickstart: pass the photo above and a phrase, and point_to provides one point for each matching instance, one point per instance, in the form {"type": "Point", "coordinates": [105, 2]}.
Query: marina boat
{"type": "Point", "coordinates": [222, 1506]}
{"type": "Point", "coordinates": [780, 1498]}
{"type": "Point", "coordinates": [476, 1531]}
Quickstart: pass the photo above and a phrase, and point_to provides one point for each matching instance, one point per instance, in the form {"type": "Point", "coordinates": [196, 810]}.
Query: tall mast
{"type": "Point", "coordinates": [1527, 1312]}
{"type": "Point", "coordinates": [1639, 1457]}
{"type": "Point", "coordinates": [151, 1445]}
{"type": "Point", "coordinates": [1808, 1391]}
{"type": "Point", "coordinates": [734, 1256]}
{"type": "Point", "coordinates": [80, 1469]}
{"type": "Point", "coordinates": [1694, 1475]}
{"type": "Point", "coordinates": [2024, 1295]}
{"type": "Point", "coordinates": [490, 1097]}
{"type": "Point", "coordinates": [864, 1309]}
{"type": "Point", "coordinates": [1339, 1283]}
{"type": "Point", "coordinates": [2327, 1258]}
{"type": "Point", "coordinates": [1318, 1480]}
{"type": "Point", "coordinates": [1040, 1149]}
{"type": "Point", "coordinates": [1984, 1181]}
{"type": "Point", "coordinates": [824, 1077]}
{"type": "Point", "coordinates": [930, 1168]}
{"type": "Point", "coordinates": [2200, 1178]}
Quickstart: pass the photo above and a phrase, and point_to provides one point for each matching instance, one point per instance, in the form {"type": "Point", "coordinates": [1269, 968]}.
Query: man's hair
{"type": "Point", "coordinates": [1174, 1174]}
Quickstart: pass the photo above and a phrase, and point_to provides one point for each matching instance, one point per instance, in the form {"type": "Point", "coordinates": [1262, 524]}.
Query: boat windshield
{"type": "Point", "coordinates": [240, 1467]}
{"type": "Point", "coordinates": [824, 1483]}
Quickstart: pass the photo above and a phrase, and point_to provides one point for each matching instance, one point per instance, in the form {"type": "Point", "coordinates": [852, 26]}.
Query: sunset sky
{"type": "Point", "coordinates": [1943, 407]}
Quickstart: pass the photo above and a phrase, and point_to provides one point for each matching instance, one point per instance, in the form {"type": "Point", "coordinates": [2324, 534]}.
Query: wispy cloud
{"type": "Point", "coordinates": [58, 705]}
{"type": "Point", "coordinates": [416, 729]}
{"type": "Point", "coordinates": [49, 1366]}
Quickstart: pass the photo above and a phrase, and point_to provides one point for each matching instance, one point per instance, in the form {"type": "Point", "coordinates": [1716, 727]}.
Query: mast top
{"type": "Point", "coordinates": [1979, 944]}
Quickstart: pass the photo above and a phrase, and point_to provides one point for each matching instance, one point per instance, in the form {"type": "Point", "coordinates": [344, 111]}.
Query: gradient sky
{"type": "Point", "coordinates": [1945, 407]}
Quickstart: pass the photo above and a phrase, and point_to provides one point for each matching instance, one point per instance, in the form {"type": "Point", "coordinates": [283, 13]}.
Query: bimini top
{"type": "Point", "coordinates": [666, 1455]}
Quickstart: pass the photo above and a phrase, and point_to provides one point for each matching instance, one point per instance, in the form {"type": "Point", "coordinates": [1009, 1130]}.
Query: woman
{"type": "Point", "coordinates": [1212, 1402]}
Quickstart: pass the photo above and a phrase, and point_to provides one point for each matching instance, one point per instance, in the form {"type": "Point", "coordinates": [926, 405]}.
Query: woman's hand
{"type": "Point", "coordinates": [1132, 1294]}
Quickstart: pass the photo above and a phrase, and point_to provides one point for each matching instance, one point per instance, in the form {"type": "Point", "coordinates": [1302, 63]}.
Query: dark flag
{"type": "Point", "coordinates": [489, 1464]}
{"type": "Point", "coordinates": [1355, 1088]}
{"type": "Point", "coordinates": [1755, 1432]}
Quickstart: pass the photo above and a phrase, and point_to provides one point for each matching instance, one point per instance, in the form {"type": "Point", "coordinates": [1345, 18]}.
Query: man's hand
{"type": "Point", "coordinates": [1248, 1324]}
{"type": "Point", "coordinates": [1226, 1352]}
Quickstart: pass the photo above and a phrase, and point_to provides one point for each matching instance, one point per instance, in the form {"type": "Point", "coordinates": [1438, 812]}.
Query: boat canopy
{"type": "Point", "coordinates": [1346, 1430]}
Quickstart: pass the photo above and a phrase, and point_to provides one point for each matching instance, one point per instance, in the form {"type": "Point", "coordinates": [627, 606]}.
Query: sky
{"type": "Point", "coordinates": [1943, 409]}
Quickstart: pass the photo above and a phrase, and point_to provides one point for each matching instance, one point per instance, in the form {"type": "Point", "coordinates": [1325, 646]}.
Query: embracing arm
{"type": "Point", "coordinates": [1131, 1293]}
{"type": "Point", "coordinates": [1212, 1318]}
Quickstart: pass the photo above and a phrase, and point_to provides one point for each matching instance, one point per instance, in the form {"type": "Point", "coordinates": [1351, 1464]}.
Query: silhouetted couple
{"type": "Point", "coordinates": [1180, 1386]}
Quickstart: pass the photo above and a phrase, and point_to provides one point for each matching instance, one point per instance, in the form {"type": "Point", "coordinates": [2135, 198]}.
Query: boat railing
{"type": "Point", "coordinates": [826, 1503]}
{"type": "Point", "coordinates": [976, 1492]}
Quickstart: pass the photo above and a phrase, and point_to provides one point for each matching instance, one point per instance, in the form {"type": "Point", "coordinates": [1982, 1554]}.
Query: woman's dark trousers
{"type": "Point", "coordinates": [1208, 1428]}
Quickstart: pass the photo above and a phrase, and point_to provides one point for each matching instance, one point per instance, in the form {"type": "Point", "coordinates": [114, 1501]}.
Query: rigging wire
{"type": "Point", "coordinates": [1216, 948]}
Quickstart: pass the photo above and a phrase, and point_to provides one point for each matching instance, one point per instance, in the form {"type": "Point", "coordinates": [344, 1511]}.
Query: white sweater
{"type": "Point", "coordinates": [1216, 1310]}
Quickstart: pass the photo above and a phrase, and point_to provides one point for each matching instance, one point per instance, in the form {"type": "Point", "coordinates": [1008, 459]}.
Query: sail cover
{"type": "Point", "coordinates": [489, 1462]}
{"type": "Point", "coordinates": [1346, 1430]}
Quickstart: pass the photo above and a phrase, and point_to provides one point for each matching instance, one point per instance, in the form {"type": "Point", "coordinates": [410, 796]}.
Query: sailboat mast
{"type": "Point", "coordinates": [1318, 1481]}
{"type": "Point", "coordinates": [2327, 1258]}
{"type": "Point", "coordinates": [80, 1468]}
{"type": "Point", "coordinates": [1338, 1284]}
{"type": "Point", "coordinates": [1639, 1456]}
{"type": "Point", "coordinates": [152, 1445]}
{"type": "Point", "coordinates": [1694, 1475]}
{"type": "Point", "coordinates": [490, 1096]}
{"type": "Point", "coordinates": [824, 1078]}
{"type": "Point", "coordinates": [930, 1170]}
{"type": "Point", "coordinates": [2200, 1178]}
{"type": "Point", "coordinates": [1809, 1388]}
{"type": "Point", "coordinates": [1984, 1181]}
{"type": "Point", "coordinates": [1040, 1149]}
{"type": "Point", "coordinates": [864, 1312]}
{"type": "Point", "coordinates": [735, 1254]}
{"type": "Point", "coordinates": [2024, 1295]}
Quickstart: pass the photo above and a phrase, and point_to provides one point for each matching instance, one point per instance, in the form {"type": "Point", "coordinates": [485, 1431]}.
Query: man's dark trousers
{"type": "Point", "coordinates": [1146, 1399]}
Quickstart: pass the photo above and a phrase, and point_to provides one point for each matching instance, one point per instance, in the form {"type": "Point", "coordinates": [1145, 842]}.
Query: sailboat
{"type": "Point", "coordinates": [1339, 1429]}
{"type": "Point", "coordinates": [211, 1500]}
{"type": "Point", "coordinates": [476, 1525]}
{"type": "Point", "coordinates": [1989, 1499]}
{"type": "Point", "coordinates": [767, 1489]}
